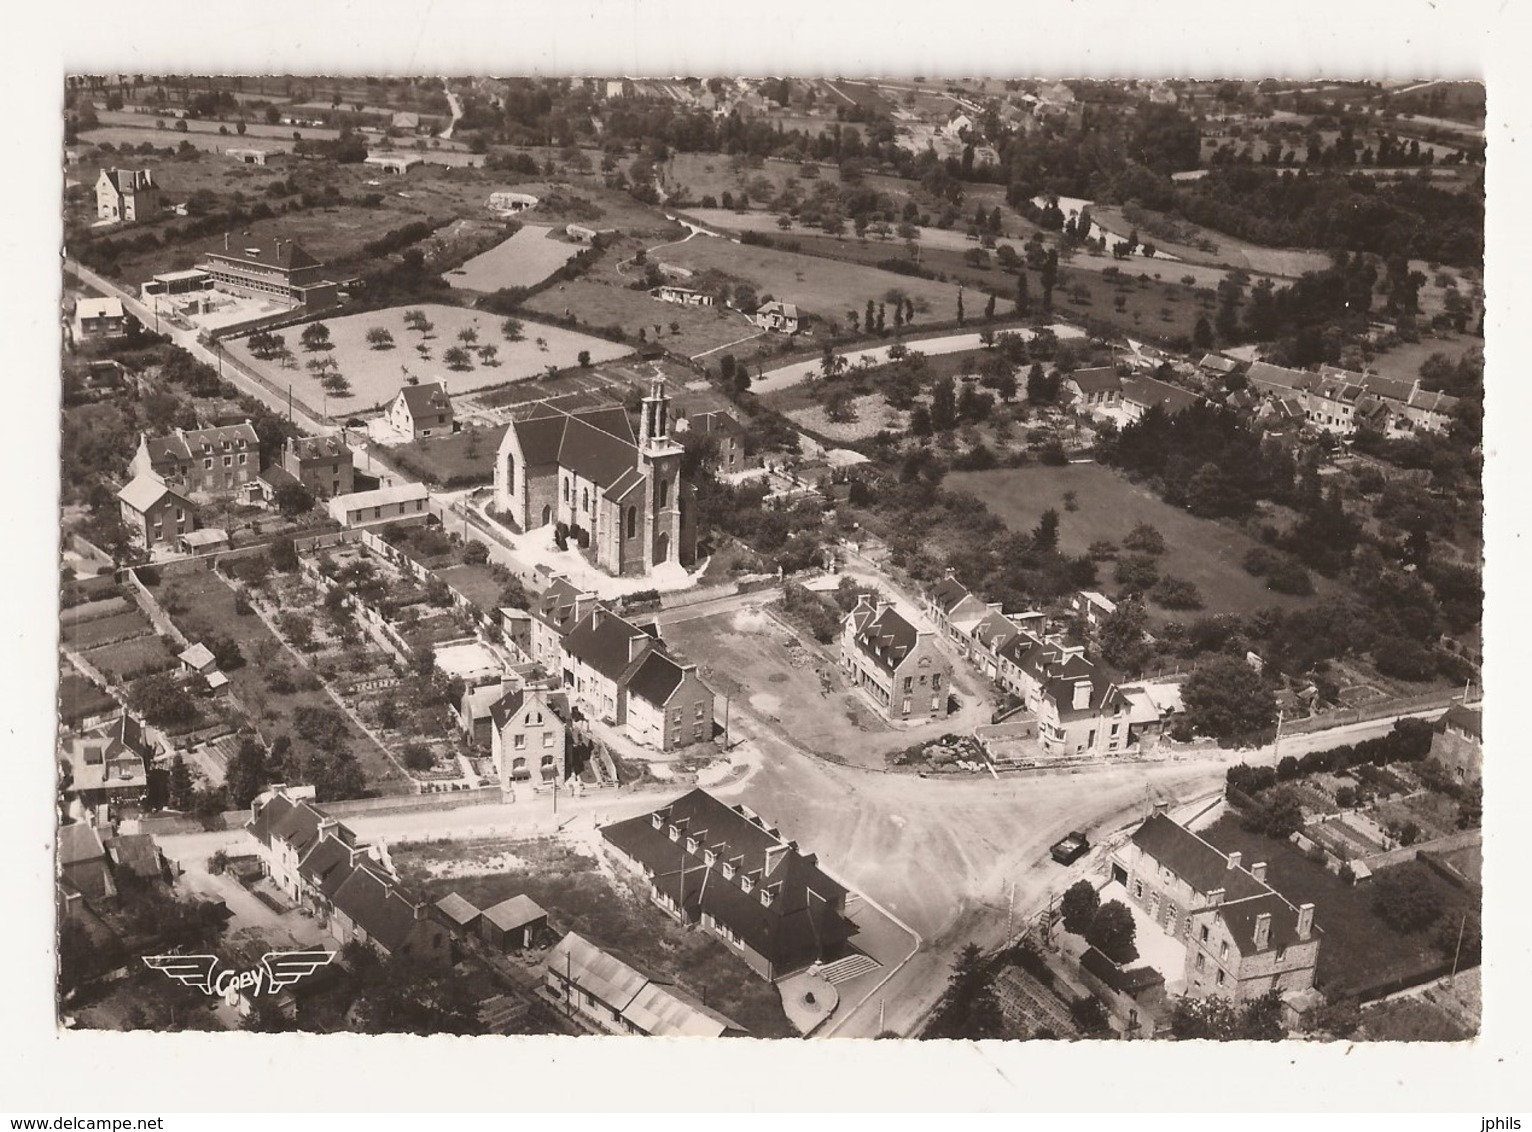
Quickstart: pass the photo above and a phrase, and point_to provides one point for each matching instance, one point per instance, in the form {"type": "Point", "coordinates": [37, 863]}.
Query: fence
{"type": "Point", "coordinates": [680, 599]}
{"type": "Point", "coordinates": [153, 610]}
{"type": "Point", "coordinates": [1405, 705]}
{"type": "Point", "coordinates": [1419, 849]}
{"type": "Point", "coordinates": [293, 402]}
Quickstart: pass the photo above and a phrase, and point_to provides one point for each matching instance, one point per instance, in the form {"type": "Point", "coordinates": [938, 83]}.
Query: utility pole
{"type": "Point", "coordinates": [880, 1015]}
{"type": "Point", "coordinates": [726, 721]}
{"type": "Point", "coordinates": [1010, 908]}
{"type": "Point", "coordinates": [1276, 744]}
{"type": "Point", "coordinates": [1457, 952]}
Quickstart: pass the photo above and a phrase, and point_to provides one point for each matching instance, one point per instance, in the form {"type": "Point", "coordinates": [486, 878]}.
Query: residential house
{"type": "Point", "coordinates": [530, 737]}
{"type": "Point", "coordinates": [897, 666]}
{"type": "Point", "coordinates": [558, 609]}
{"type": "Point", "coordinates": [727, 869]}
{"type": "Point", "coordinates": [99, 318]}
{"type": "Point", "coordinates": [156, 515]}
{"type": "Point", "coordinates": [1092, 389]}
{"type": "Point", "coordinates": [511, 202]}
{"type": "Point", "coordinates": [216, 461]}
{"type": "Point", "coordinates": [1080, 712]}
{"type": "Point", "coordinates": [82, 862]}
{"type": "Point", "coordinates": [396, 163]}
{"type": "Point", "coordinates": [728, 437]}
{"type": "Point", "coordinates": [320, 463]}
{"type": "Point", "coordinates": [1216, 366]}
{"type": "Point", "coordinates": [600, 655]}
{"type": "Point", "coordinates": [668, 705]}
{"type": "Point", "coordinates": [109, 765]}
{"type": "Point", "coordinates": [606, 992]}
{"type": "Point", "coordinates": [126, 195]}
{"type": "Point", "coordinates": [137, 854]}
{"type": "Point", "coordinates": [1457, 742]}
{"type": "Point", "coordinates": [513, 924]}
{"type": "Point", "coordinates": [369, 907]}
{"type": "Point", "coordinates": [419, 411]}
{"type": "Point", "coordinates": [1140, 394]}
{"type": "Point", "coordinates": [473, 710]}
{"type": "Point", "coordinates": [246, 156]}
{"type": "Point", "coordinates": [684, 296]}
{"type": "Point", "coordinates": [401, 501]}
{"type": "Point", "coordinates": [1242, 937]}
{"type": "Point", "coordinates": [1094, 607]}
{"type": "Point", "coordinates": [279, 271]}
{"type": "Point", "coordinates": [621, 498]}
{"type": "Point", "coordinates": [782, 317]}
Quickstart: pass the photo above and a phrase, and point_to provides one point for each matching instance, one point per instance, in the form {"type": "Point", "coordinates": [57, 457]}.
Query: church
{"type": "Point", "coordinates": [622, 499]}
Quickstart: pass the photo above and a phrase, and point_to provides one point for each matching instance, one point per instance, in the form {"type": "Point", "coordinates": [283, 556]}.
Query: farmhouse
{"type": "Point", "coordinates": [126, 195]}
{"type": "Point", "coordinates": [725, 868]}
{"type": "Point", "coordinates": [421, 410]}
{"type": "Point", "coordinates": [280, 271]}
{"type": "Point", "coordinates": [155, 514]}
{"type": "Point", "coordinates": [218, 461]}
{"type": "Point", "coordinates": [782, 317]}
{"type": "Point", "coordinates": [1242, 937]}
{"type": "Point", "coordinates": [617, 998]}
{"type": "Point", "coordinates": [396, 163]}
{"type": "Point", "coordinates": [898, 667]}
{"type": "Point", "coordinates": [363, 507]}
{"type": "Point", "coordinates": [99, 318]}
{"type": "Point", "coordinates": [621, 500]}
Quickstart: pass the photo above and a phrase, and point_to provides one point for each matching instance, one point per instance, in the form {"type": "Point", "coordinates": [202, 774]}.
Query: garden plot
{"type": "Point", "coordinates": [523, 260]}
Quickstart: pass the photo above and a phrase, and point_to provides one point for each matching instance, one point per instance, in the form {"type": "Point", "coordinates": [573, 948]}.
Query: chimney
{"type": "Point", "coordinates": [949, 574]}
{"type": "Point", "coordinates": [419, 910]}
{"type": "Point", "coordinates": [1161, 807]}
{"type": "Point", "coordinates": [1415, 389]}
{"type": "Point", "coordinates": [1262, 931]}
{"type": "Point", "coordinates": [1082, 695]}
{"type": "Point", "coordinates": [225, 241]}
{"type": "Point", "coordinates": [1215, 897]}
{"type": "Point", "coordinates": [1258, 870]}
{"type": "Point", "coordinates": [327, 826]}
{"type": "Point", "coordinates": [1234, 859]}
{"type": "Point", "coordinates": [1305, 921]}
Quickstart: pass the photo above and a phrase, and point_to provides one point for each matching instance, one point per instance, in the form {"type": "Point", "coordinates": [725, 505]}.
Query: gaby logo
{"type": "Point", "coordinates": [277, 970]}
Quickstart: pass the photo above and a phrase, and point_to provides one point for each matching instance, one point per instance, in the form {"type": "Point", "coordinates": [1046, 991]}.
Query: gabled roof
{"type": "Point", "coordinates": [260, 827]}
{"type": "Point", "coordinates": [137, 853]}
{"type": "Point", "coordinates": [458, 909]}
{"type": "Point", "coordinates": [1463, 718]}
{"type": "Point", "coordinates": [665, 1011]}
{"type": "Point", "coordinates": [787, 310]}
{"type": "Point", "coordinates": [602, 641]}
{"type": "Point", "coordinates": [1267, 376]}
{"type": "Point", "coordinates": [1218, 363]}
{"type": "Point", "coordinates": [1098, 380]}
{"type": "Point", "coordinates": [886, 638]}
{"type": "Point", "coordinates": [429, 398]}
{"type": "Point", "coordinates": [1431, 401]}
{"type": "Point", "coordinates": [947, 593]}
{"type": "Point", "coordinates": [594, 453]}
{"type": "Point", "coordinates": [601, 975]}
{"type": "Point", "coordinates": [284, 254]}
{"type": "Point", "coordinates": [1150, 392]}
{"type": "Point", "coordinates": [656, 678]}
{"type": "Point", "coordinates": [331, 859]}
{"type": "Point", "coordinates": [319, 447]}
{"type": "Point", "coordinates": [373, 904]}
{"type": "Point", "coordinates": [145, 490]}
{"type": "Point", "coordinates": [198, 656]}
{"type": "Point", "coordinates": [298, 827]}
{"type": "Point", "coordinates": [517, 912]}
{"type": "Point", "coordinates": [195, 443]}
{"type": "Point", "coordinates": [79, 843]}
{"type": "Point", "coordinates": [1241, 916]}
{"type": "Point", "coordinates": [559, 603]}
{"type": "Point", "coordinates": [1194, 860]}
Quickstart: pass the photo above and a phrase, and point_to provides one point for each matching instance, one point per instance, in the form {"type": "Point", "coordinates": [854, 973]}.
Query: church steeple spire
{"type": "Point", "coordinates": [654, 429]}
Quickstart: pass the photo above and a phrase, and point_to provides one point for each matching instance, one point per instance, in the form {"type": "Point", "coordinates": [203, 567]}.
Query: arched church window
{"type": "Point", "coordinates": [632, 521]}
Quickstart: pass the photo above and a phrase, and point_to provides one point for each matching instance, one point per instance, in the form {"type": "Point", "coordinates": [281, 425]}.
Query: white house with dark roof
{"type": "Point", "coordinates": [669, 706]}
{"type": "Point", "coordinates": [779, 316]}
{"type": "Point", "coordinates": [895, 665]}
{"type": "Point", "coordinates": [156, 515]}
{"type": "Point", "coordinates": [216, 461]}
{"type": "Point", "coordinates": [620, 497]}
{"type": "Point", "coordinates": [126, 195]}
{"type": "Point", "coordinates": [419, 411]}
{"type": "Point", "coordinates": [399, 501]}
{"type": "Point", "coordinates": [99, 318]}
{"type": "Point", "coordinates": [530, 737]}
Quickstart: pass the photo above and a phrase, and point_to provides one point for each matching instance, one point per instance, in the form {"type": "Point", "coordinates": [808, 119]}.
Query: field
{"type": "Point", "coordinates": [475, 582]}
{"type": "Point", "coordinates": [377, 375]}
{"type": "Point", "coordinates": [1231, 251]}
{"type": "Point", "coordinates": [127, 660]}
{"type": "Point", "coordinates": [1200, 551]}
{"type": "Point", "coordinates": [105, 630]}
{"type": "Point", "coordinates": [609, 302]}
{"type": "Point", "coordinates": [205, 604]}
{"type": "Point", "coordinates": [826, 288]}
{"type": "Point", "coordinates": [1357, 949]}
{"type": "Point", "coordinates": [527, 258]}
{"type": "Point", "coordinates": [459, 460]}
{"type": "Point", "coordinates": [870, 414]}
{"type": "Point", "coordinates": [79, 698]}
{"type": "Point", "coordinates": [610, 913]}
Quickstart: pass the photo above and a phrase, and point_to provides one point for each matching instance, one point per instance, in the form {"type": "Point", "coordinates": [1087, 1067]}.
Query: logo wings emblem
{"type": "Point", "coordinates": [284, 968]}
{"type": "Point", "coordinates": [195, 971]}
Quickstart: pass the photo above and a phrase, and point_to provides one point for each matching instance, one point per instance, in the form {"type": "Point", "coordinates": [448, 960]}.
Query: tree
{"type": "Point", "coordinates": [989, 308]}
{"type": "Point", "coordinates": [380, 338]}
{"type": "Point", "coordinates": [1226, 699]}
{"type": "Point", "coordinates": [1405, 899]}
{"type": "Point", "coordinates": [943, 405]}
{"type": "Point", "coordinates": [489, 354]}
{"type": "Point", "coordinates": [1045, 536]}
{"type": "Point", "coordinates": [284, 555]}
{"type": "Point", "coordinates": [1278, 813]}
{"type": "Point", "coordinates": [1215, 1018]}
{"type": "Point", "coordinates": [297, 628]}
{"type": "Point", "coordinates": [1112, 932]}
{"type": "Point", "coordinates": [182, 792]}
{"type": "Point", "coordinates": [475, 552]}
{"type": "Point", "coordinates": [293, 499]}
{"type": "Point", "coordinates": [457, 358]}
{"type": "Point", "coordinates": [468, 336]}
{"type": "Point", "coordinates": [1049, 277]}
{"type": "Point", "coordinates": [161, 701]}
{"type": "Point", "coordinates": [960, 307]}
{"type": "Point", "coordinates": [1023, 299]}
{"type": "Point", "coordinates": [1146, 539]}
{"type": "Point", "coordinates": [969, 1010]}
{"type": "Point", "coordinates": [920, 421]}
{"type": "Point", "coordinates": [316, 336]}
{"type": "Point", "coordinates": [1202, 333]}
{"type": "Point", "coordinates": [1037, 385]}
{"type": "Point", "coordinates": [1121, 636]}
{"type": "Point", "coordinates": [245, 775]}
{"type": "Point", "coordinates": [1079, 906]}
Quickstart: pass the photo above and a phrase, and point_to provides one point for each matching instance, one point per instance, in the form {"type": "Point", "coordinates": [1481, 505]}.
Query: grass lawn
{"type": "Point", "coordinates": [1357, 949]}
{"type": "Point", "coordinates": [603, 301]}
{"type": "Point", "coordinates": [377, 375]}
{"type": "Point", "coordinates": [1200, 551]}
{"type": "Point", "coordinates": [128, 660]}
{"type": "Point", "coordinates": [525, 259]}
{"type": "Point", "coordinates": [104, 630]}
{"type": "Point", "coordinates": [475, 582]}
{"type": "Point", "coordinates": [460, 460]}
{"type": "Point", "coordinates": [617, 917]}
{"type": "Point", "coordinates": [825, 288]}
{"type": "Point", "coordinates": [205, 604]}
{"type": "Point", "coordinates": [79, 698]}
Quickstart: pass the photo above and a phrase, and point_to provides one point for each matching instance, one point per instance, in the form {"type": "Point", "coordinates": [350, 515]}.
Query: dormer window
{"type": "Point", "coordinates": [728, 871]}
{"type": "Point", "coordinates": [656, 821]}
{"type": "Point", "coordinates": [746, 883]}
{"type": "Point", "coordinates": [709, 857]}
{"type": "Point", "coordinates": [766, 898]}
{"type": "Point", "coordinates": [674, 833]}
{"type": "Point", "coordinates": [691, 844]}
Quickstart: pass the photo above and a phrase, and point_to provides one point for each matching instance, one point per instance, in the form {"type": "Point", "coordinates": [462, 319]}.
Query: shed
{"type": "Point", "coordinates": [460, 913]}
{"type": "Point", "coordinates": [198, 658]}
{"type": "Point", "coordinates": [513, 924]}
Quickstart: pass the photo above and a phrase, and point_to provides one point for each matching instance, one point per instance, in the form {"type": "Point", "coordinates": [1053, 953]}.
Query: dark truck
{"type": "Point", "coordinates": [1068, 850]}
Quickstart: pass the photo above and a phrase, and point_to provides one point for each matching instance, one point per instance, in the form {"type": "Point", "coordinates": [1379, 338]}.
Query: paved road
{"type": "Point", "coordinates": [187, 340]}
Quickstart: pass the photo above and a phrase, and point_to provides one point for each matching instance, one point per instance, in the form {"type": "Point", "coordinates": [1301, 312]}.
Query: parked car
{"type": "Point", "coordinates": [1068, 850]}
